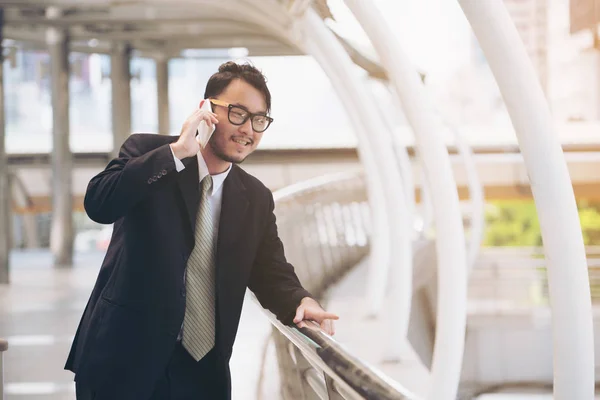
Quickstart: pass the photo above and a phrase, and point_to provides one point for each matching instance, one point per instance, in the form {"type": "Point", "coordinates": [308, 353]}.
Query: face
{"type": "Point", "coordinates": [233, 143]}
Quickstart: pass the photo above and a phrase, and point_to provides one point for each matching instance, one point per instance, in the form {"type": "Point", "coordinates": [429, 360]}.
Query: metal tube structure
{"type": "Point", "coordinates": [399, 326]}
{"type": "Point", "coordinates": [570, 300]}
{"type": "Point", "coordinates": [426, 204]}
{"type": "Point", "coordinates": [404, 161]}
{"type": "Point", "coordinates": [477, 197]}
{"type": "Point", "coordinates": [379, 161]}
{"type": "Point", "coordinates": [401, 153]}
{"type": "Point", "coordinates": [62, 234]}
{"type": "Point", "coordinates": [450, 243]}
{"type": "Point", "coordinates": [380, 232]}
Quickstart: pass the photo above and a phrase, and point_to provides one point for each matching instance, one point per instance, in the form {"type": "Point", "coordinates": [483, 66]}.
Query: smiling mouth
{"type": "Point", "coordinates": [243, 142]}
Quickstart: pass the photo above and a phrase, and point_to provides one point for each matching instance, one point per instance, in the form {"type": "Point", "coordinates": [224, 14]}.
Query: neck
{"type": "Point", "coordinates": [215, 164]}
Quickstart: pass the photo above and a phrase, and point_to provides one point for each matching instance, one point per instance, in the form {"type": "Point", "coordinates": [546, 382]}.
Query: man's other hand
{"type": "Point", "coordinates": [310, 310]}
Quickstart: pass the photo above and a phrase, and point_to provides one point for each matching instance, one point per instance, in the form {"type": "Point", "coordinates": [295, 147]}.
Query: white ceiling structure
{"type": "Point", "coordinates": [155, 27]}
{"type": "Point", "coordinates": [166, 28]}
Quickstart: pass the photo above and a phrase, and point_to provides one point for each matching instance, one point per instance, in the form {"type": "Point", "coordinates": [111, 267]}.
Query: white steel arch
{"type": "Point", "coordinates": [376, 295]}
{"type": "Point", "coordinates": [570, 299]}
{"type": "Point", "coordinates": [477, 198]}
{"type": "Point", "coordinates": [378, 290]}
{"type": "Point", "coordinates": [401, 256]}
{"type": "Point", "coordinates": [450, 243]}
{"type": "Point", "coordinates": [376, 153]}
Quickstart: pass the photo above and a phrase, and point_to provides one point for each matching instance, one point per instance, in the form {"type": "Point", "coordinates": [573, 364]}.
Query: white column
{"type": "Point", "coordinates": [570, 300]}
{"type": "Point", "coordinates": [450, 243]}
{"type": "Point", "coordinates": [120, 76]}
{"type": "Point", "coordinates": [62, 232]}
{"type": "Point", "coordinates": [5, 215]}
{"type": "Point", "coordinates": [162, 91]}
{"type": "Point", "coordinates": [377, 155]}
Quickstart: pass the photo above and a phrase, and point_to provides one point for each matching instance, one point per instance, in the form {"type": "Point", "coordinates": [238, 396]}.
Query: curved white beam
{"type": "Point", "coordinates": [450, 243]}
{"type": "Point", "coordinates": [476, 196]}
{"type": "Point", "coordinates": [553, 194]}
{"type": "Point", "coordinates": [402, 156]}
{"type": "Point", "coordinates": [397, 276]}
{"type": "Point", "coordinates": [378, 159]}
{"type": "Point", "coordinates": [380, 237]}
{"type": "Point", "coordinates": [426, 204]}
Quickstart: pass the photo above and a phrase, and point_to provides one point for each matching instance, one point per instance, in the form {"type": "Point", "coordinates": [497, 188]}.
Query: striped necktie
{"type": "Point", "coordinates": [199, 320]}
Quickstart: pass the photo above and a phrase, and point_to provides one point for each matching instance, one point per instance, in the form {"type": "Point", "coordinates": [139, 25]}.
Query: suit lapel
{"type": "Point", "coordinates": [234, 207]}
{"type": "Point", "coordinates": [189, 185]}
{"type": "Point", "coordinates": [233, 212]}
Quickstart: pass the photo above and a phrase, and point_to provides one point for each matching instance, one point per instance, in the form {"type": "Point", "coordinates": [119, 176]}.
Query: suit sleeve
{"type": "Point", "coordinates": [273, 279]}
{"type": "Point", "coordinates": [128, 179]}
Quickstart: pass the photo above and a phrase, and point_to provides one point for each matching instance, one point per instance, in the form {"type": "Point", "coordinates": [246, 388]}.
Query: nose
{"type": "Point", "coordinates": [246, 128]}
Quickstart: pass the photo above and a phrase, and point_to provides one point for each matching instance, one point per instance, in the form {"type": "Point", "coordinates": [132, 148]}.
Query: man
{"type": "Point", "coordinates": [191, 232]}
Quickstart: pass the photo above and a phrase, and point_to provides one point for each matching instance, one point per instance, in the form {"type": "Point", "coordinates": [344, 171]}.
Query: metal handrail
{"type": "Point", "coordinates": [3, 348]}
{"type": "Point", "coordinates": [324, 224]}
{"type": "Point", "coordinates": [353, 379]}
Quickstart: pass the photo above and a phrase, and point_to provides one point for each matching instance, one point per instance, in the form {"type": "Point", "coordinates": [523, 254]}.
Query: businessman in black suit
{"type": "Point", "coordinates": [191, 232]}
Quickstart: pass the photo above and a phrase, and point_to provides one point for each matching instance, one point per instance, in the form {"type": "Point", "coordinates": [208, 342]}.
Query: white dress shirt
{"type": "Point", "coordinates": [216, 196]}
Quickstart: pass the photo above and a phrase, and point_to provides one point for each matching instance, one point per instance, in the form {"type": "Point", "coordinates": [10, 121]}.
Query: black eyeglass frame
{"type": "Point", "coordinates": [249, 115]}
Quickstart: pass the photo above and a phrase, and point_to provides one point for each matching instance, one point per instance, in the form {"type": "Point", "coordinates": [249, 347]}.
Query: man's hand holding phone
{"type": "Point", "coordinates": [187, 145]}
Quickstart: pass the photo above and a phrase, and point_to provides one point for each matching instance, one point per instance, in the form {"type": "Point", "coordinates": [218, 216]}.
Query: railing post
{"type": "Point", "coordinates": [3, 348]}
{"type": "Point", "coordinates": [292, 386]}
{"type": "Point", "coordinates": [302, 369]}
{"type": "Point", "coordinates": [331, 390]}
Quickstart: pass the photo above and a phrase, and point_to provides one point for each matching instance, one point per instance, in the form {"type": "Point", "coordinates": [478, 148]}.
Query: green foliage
{"type": "Point", "coordinates": [515, 223]}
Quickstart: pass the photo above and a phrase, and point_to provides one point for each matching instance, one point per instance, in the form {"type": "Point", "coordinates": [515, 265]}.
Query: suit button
{"type": "Point", "coordinates": [183, 292]}
{"type": "Point", "coordinates": [149, 181]}
{"type": "Point", "coordinates": [154, 178]}
{"type": "Point", "coordinates": [163, 172]}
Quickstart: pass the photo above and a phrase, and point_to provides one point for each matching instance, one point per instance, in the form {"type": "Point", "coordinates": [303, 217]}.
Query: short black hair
{"type": "Point", "coordinates": [231, 70]}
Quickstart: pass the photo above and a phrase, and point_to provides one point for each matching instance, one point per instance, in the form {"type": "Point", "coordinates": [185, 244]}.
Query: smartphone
{"type": "Point", "coordinates": [204, 132]}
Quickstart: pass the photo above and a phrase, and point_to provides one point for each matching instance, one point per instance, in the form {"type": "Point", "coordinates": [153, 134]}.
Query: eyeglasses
{"type": "Point", "coordinates": [238, 116]}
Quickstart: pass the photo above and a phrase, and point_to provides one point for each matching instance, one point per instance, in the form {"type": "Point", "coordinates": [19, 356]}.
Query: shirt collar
{"type": "Point", "coordinates": [217, 179]}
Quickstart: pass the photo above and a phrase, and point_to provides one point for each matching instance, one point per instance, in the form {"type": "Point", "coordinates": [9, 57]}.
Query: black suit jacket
{"type": "Point", "coordinates": [130, 324]}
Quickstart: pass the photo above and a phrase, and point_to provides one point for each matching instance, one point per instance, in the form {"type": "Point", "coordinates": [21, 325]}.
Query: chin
{"type": "Point", "coordinates": [233, 158]}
